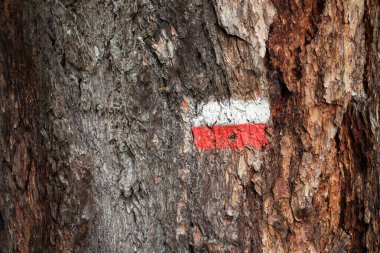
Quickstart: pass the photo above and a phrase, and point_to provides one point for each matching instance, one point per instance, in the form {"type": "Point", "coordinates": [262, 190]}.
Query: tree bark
{"type": "Point", "coordinates": [97, 103]}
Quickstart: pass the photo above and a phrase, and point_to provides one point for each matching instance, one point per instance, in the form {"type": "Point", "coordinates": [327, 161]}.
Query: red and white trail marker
{"type": "Point", "coordinates": [233, 124]}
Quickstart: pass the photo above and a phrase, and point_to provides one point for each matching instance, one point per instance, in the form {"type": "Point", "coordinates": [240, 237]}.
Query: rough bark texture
{"type": "Point", "coordinates": [97, 100]}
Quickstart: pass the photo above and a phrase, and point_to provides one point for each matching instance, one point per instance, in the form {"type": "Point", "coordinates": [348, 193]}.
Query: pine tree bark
{"type": "Point", "coordinates": [97, 101]}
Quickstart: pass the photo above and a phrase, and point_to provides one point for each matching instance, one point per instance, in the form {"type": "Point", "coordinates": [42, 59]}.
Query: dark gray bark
{"type": "Point", "coordinates": [97, 100]}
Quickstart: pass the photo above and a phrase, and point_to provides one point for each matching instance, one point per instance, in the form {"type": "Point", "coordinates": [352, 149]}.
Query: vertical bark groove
{"type": "Point", "coordinates": [98, 99]}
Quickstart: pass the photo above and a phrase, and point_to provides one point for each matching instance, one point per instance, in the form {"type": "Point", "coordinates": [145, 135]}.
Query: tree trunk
{"type": "Point", "coordinates": [98, 101]}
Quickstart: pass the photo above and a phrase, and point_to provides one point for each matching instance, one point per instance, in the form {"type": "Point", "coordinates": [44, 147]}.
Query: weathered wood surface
{"type": "Point", "coordinates": [97, 103]}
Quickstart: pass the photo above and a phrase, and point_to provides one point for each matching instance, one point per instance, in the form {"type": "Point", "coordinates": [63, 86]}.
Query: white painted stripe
{"type": "Point", "coordinates": [232, 112]}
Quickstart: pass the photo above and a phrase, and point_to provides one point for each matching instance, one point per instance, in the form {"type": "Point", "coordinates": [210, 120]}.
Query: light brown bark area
{"type": "Point", "coordinates": [317, 51]}
{"type": "Point", "coordinates": [97, 100]}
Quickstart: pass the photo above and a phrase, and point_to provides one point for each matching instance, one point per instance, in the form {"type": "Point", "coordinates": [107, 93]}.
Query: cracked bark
{"type": "Point", "coordinates": [97, 102]}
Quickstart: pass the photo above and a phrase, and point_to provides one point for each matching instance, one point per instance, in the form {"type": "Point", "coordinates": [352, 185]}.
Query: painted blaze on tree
{"type": "Point", "coordinates": [234, 124]}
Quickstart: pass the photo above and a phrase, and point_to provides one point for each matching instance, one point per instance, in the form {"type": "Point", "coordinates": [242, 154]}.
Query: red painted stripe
{"type": "Point", "coordinates": [230, 136]}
